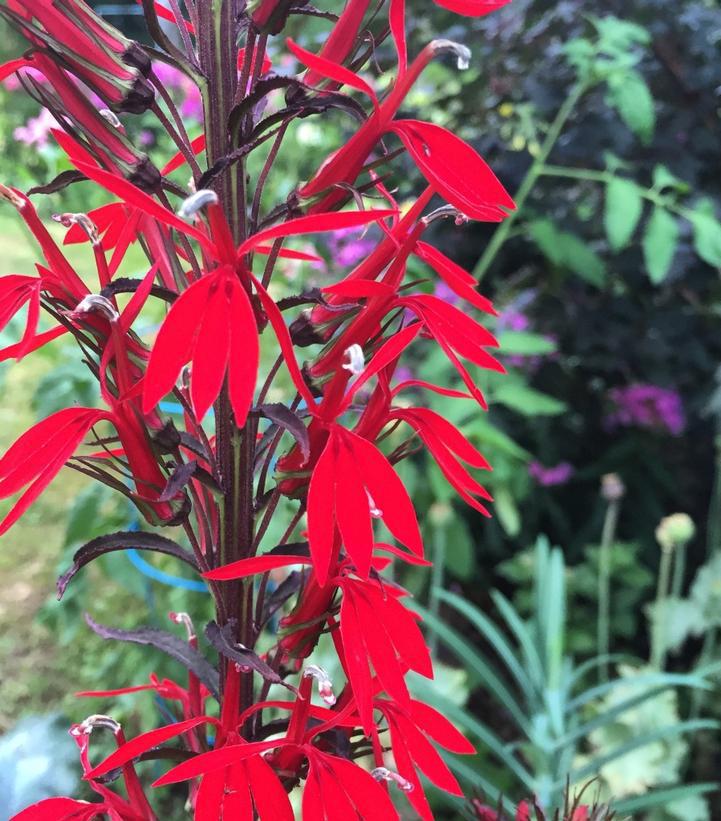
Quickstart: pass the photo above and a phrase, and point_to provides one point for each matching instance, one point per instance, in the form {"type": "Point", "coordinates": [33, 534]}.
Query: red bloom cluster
{"type": "Point", "coordinates": [212, 262]}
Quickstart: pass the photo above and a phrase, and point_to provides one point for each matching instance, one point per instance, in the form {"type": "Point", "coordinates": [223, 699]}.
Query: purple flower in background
{"type": "Point", "coordinates": [36, 130]}
{"type": "Point", "coordinates": [513, 320]}
{"type": "Point", "coordinates": [646, 406]}
{"type": "Point", "coordinates": [548, 477]}
{"type": "Point", "coordinates": [447, 294]}
{"type": "Point", "coordinates": [349, 246]}
{"type": "Point", "coordinates": [192, 103]}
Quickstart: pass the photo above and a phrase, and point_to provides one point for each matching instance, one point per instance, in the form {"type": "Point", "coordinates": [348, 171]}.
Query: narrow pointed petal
{"type": "Point", "coordinates": [142, 743]}
{"type": "Point", "coordinates": [211, 351]}
{"type": "Point", "coordinates": [321, 517]}
{"type": "Point", "coordinates": [440, 729]}
{"type": "Point", "coordinates": [244, 353]}
{"type": "Point", "coordinates": [330, 70]}
{"type": "Point", "coordinates": [455, 170]}
{"type": "Point", "coordinates": [174, 343]}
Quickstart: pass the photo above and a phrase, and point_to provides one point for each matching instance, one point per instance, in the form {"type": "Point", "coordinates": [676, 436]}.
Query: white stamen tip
{"type": "Point", "coordinates": [110, 116]}
{"type": "Point", "coordinates": [184, 619]}
{"type": "Point", "coordinates": [384, 774]}
{"type": "Point", "coordinates": [462, 53]}
{"type": "Point", "coordinates": [91, 722]}
{"type": "Point", "coordinates": [325, 685]}
{"type": "Point", "coordinates": [356, 361]}
{"type": "Point", "coordinates": [95, 303]}
{"type": "Point", "coordinates": [83, 220]}
{"type": "Point", "coordinates": [197, 201]}
{"type": "Point", "coordinates": [375, 511]}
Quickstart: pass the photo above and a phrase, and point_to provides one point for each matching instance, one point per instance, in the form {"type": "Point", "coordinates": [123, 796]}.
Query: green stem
{"type": "Point", "coordinates": [604, 584]}
{"type": "Point", "coordinates": [437, 575]}
{"type": "Point", "coordinates": [534, 172]}
{"type": "Point", "coordinates": [658, 639]}
{"type": "Point", "coordinates": [605, 177]}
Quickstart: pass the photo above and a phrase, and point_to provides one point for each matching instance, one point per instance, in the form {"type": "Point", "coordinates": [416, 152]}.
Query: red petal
{"type": "Point", "coordinates": [211, 350]}
{"type": "Point", "coordinates": [142, 743]}
{"type": "Point", "coordinates": [440, 729]}
{"type": "Point", "coordinates": [455, 170]}
{"type": "Point", "coordinates": [331, 70]}
{"type": "Point", "coordinates": [250, 567]}
{"type": "Point", "coordinates": [237, 803]}
{"type": "Point", "coordinates": [405, 633]}
{"type": "Point", "coordinates": [244, 354]}
{"type": "Point", "coordinates": [356, 660]}
{"type": "Point", "coordinates": [336, 801]}
{"type": "Point", "coordinates": [397, 19]}
{"type": "Point", "coordinates": [59, 809]}
{"type": "Point", "coordinates": [321, 502]}
{"type": "Point", "coordinates": [312, 802]}
{"type": "Point", "coordinates": [214, 760]}
{"type": "Point", "coordinates": [269, 795]}
{"type": "Point", "coordinates": [197, 146]}
{"type": "Point", "coordinates": [315, 223]}
{"type": "Point", "coordinates": [448, 433]}
{"type": "Point", "coordinates": [472, 8]}
{"type": "Point", "coordinates": [24, 348]}
{"type": "Point", "coordinates": [388, 492]}
{"type": "Point", "coordinates": [371, 800]}
{"type": "Point", "coordinates": [352, 512]}
{"type": "Point", "coordinates": [457, 278]}
{"type": "Point", "coordinates": [139, 199]}
{"type": "Point", "coordinates": [174, 343]}
{"type": "Point", "coordinates": [388, 351]}
{"type": "Point", "coordinates": [275, 317]}
{"type": "Point", "coordinates": [380, 648]}
{"type": "Point", "coordinates": [210, 796]}
{"type": "Point", "coordinates": [426, 756]}
{"type": "Point", "coordinates": [6, 69]}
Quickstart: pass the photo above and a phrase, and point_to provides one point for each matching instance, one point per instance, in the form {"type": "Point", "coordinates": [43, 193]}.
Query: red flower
{"type": "Point", "coordinates": [352, 484]}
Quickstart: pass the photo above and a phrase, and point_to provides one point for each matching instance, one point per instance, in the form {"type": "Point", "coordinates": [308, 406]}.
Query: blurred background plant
{"type": "Point", "coordinates": [597, 659]}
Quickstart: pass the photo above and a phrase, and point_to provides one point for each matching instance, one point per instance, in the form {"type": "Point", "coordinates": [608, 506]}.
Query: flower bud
{"type": "Point", "coordinates": [612, 487]}
{"type": "Point", "coordinates": [675, 531]}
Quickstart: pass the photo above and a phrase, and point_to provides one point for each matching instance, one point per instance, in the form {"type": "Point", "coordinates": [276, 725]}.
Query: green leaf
{"type": "Point", "coordinates": [460, 559]}
{"type": "Point", "coordinates": [630, 96]}
{"type": "Point", "coordinates": [568, 251]}
{"type": "Point", "coordinates": [659, 244]}
{"type": "Point", "coordinates": [663, 179]}
{"type": "Point", "coordinates": [641, 740]}
{"type": "Point", "coordinates": [707, 233]}
{"type": "Point", "coordinates": [661, 798]}
{"type": "Point", "coordinates": [624, 206]}
{"type": "Point", "coordinates": [525, 344]}
{"type": "Point", "coordinates": [527, 401]}
{"type": "Point", "coordinates": [475, 663]}
{"type": "Point", "coordinates": [506, 509]}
